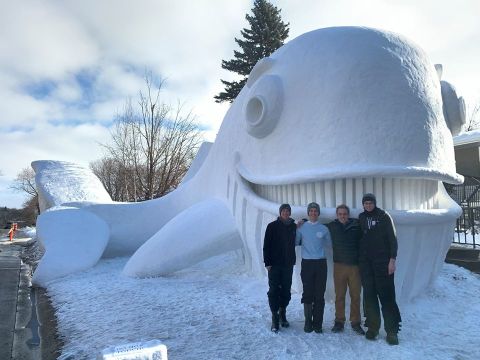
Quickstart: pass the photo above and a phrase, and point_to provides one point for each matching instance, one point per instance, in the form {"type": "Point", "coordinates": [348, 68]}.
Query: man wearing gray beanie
{"type": "Point", "coordinates": [315, 240]}
{"type": "Point", "coordinates": [279, 257]}
{"type": "Point", "coordinates": [377, 256]}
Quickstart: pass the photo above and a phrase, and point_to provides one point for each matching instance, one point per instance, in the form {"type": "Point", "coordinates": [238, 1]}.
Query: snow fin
{"type": "Point", "coordinates": [74, 240]}
{"type": "Point", "coordinates": [203, 230]}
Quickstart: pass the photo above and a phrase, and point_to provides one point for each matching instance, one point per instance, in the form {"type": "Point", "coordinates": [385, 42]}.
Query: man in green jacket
{"type": "Point", "coordinates": [346, 234]}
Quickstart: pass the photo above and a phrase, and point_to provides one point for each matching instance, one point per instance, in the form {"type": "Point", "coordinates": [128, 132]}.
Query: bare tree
{"type": "Point", "coordinates": [30, 210]}
{"type": "Point", "coordinates": [473, 117]}
{"type": "Point", "coordinates": [115, 177]}
{"type": "Point", "coordinates": [25, 182]}
{"type": "Point", "coordinates": [152, 145]}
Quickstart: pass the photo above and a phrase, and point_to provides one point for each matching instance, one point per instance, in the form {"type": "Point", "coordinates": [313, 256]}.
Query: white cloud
{"type": "Point", "coordinates": [70, 143]}
{"type": "Point", "coordinates": [43, 40]}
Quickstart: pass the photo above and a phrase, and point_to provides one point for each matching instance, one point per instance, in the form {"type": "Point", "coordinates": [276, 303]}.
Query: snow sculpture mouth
{"type": "Point", "coordinates": [391, 193]}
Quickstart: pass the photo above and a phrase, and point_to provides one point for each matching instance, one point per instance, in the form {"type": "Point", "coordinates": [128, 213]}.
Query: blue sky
{"type": "Point", "coordinates": [67, 67]}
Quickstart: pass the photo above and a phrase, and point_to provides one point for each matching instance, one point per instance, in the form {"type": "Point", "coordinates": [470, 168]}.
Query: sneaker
{"type": "Point", "coordinates": [392, 339]}
{"type": "Point", "coordinates": [338, 327]}
{"type": "Point", "coordinates": [358, 329]}
{"type": "Point", "coordinates": [371, 334]}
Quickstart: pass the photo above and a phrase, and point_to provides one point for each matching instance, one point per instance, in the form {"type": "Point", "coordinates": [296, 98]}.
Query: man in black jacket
{"type": "Point", "coordinates": [346, 234]}
{"type": "Point", "coordinates": [378, 253]}
{"type": "Point", "coordinates": [279, 258]}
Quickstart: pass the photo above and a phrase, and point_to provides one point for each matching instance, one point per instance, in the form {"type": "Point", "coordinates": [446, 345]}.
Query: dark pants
{"type": "Point", "coordinates": [279, 283]}
{"type": "Point", "coordinates": [314, 279]}
{"type": "Point", "coordinates": [378, 285]}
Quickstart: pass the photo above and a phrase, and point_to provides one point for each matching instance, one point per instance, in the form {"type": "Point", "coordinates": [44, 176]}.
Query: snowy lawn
{"type": "Point", "coordinates": [215, 311]}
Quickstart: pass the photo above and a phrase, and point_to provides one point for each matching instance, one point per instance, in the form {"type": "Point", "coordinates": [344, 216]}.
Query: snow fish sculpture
{"type": "Point", "coordinates": [331, 115]}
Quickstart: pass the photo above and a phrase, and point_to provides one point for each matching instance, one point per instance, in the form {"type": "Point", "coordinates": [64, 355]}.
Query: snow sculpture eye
{"type": "Point", "coordinates": [453, 108]}
{"type": "Point", "coordinates": [264, 106]}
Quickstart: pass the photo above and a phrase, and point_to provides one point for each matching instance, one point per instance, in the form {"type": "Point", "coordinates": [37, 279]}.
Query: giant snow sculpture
{"type": "Point", "coordinates": [333, 114]}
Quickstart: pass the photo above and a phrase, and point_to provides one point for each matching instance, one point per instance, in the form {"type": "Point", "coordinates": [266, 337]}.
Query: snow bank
{"type": "Point", "coordinates": [214, 310]}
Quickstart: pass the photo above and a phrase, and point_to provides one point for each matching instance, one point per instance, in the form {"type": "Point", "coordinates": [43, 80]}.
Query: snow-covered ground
{"type": "Point", "coordinates": [215, 310]}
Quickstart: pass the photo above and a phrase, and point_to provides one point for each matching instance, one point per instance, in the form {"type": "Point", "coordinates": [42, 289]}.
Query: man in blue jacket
{"type": "Point", "coordinates": [315, 240]}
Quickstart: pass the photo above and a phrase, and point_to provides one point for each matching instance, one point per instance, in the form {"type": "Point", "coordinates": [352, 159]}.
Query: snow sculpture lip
{"type": "Point", "coordinates": [414, 193]}
{"type": "Point", "coordinates": [310, 175]}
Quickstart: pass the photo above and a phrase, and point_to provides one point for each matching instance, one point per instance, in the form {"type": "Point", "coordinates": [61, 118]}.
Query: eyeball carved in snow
{"type": "Point", "coordinates": [264, 102]}
{"type": "Point", "coordinates": [454, 110]}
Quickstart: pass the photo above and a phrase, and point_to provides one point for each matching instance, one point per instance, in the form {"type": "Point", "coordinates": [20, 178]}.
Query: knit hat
{"type": "Point", "coordinates": [284, 206]}
{"type": "Point", "coordinates": [369, 197]}
{"type": "Point", "coordinates": [313, 205]}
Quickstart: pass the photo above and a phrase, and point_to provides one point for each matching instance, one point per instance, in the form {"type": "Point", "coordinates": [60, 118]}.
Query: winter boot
{"type": "Point", "coordinates": [392, 338]}
{"type": "Point", "coordinates": [371, 334]}
{"type": "Point", "coordinates": [308, 311]}
{"type": "Point", "coordinates": [275, 322]}
{"type": "Point", "coordinates": [282, 312]}
{"type": "Point", "coordinates": [358, 329]}
{"type": "Point", "coordinates": [317, 318]}
{"type": "Point", "coordinates": [337, 327]}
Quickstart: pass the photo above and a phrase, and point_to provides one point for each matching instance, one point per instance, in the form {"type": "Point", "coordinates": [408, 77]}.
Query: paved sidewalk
{"type": "Point", "coordinates": [10, 265]}
{"type": "Point", "coordinates": [23, 309]}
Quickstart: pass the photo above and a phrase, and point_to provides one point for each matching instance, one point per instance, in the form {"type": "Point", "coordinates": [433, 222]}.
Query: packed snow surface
{"type": "Point", "coordinates": [214, 310]}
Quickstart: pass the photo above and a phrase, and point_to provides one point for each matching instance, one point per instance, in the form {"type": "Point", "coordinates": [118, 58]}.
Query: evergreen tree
{"type": "Point", "coordinates": [266, 34]}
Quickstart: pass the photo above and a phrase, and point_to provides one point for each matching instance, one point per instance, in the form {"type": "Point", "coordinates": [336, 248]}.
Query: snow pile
{"type": "Point", "coordinates": [29, 231]}
{"type": "Point", "coordinates": [60, 182]}
{"type": "Point", "coordinates": [216, 311]}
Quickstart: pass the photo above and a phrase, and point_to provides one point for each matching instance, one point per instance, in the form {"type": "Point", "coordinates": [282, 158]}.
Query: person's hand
{"type": "Point", "coordinates": [268, 268]}
{"type": "Point", "coordinates": [300, 223]}
{"type": "Point", "coordinates": [391, 266]}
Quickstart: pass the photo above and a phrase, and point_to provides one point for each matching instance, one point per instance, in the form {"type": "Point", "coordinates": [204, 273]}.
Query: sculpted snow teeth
{"type": "Point", "coordinates": [397, 194]}
{"type": "Point", "coordinates": [301, 122]}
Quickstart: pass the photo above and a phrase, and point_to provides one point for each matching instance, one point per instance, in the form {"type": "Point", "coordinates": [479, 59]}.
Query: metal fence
{"type": "Point", "coordinates": [467, 195]}
{"type": "Point", "coordinates": [467, 229]}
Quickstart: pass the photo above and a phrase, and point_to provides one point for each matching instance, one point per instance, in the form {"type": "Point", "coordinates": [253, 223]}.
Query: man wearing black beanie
{"type": "Point", "coordinates": [279, 257]}
{"type": "Point", "coordinates": [377, 257]}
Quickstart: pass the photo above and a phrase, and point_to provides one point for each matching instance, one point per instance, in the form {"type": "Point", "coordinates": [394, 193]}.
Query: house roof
{"type": "Point", "coordinates": [467, 138]}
